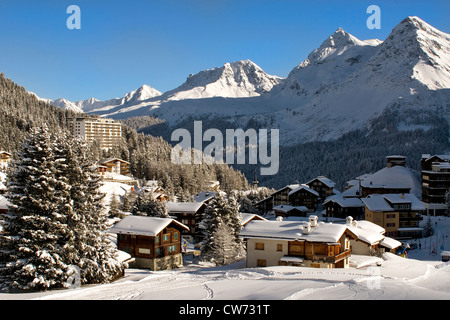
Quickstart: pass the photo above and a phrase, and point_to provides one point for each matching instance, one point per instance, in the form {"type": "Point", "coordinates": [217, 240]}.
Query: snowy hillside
{"type": "Point", "coordinates": [340, 87]}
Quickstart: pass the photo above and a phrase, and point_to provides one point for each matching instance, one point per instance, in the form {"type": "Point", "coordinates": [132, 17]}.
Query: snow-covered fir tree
{"type": "Point", "coordinates": [221, 212]}
{"type": "Point", "coordinates": [91, 251]}
{"type": "Point", "coordinates": [223, 249]}
{"type": "Point", "coordinates": [56, 220]}
{"type": "Point", "coordinates": [114, 207]}
{"type": "Point", "coordinates": [32, 250]}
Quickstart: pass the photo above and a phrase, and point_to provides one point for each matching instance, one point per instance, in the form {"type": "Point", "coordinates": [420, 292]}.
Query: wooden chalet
{"type": "Point", "coordinates": [323, 186]}
{"type": "Point", "coordinates": [304, 196]}
{"type": "Point", "coordinates": [155, 243]}
{"type": "Point", "coordinates": [189, 214]}
{"type": "Point", "coordinates": [294, 195]}
{"type": "Point", "coordinates": [285, 210]}
{"type": "Point", "coordinates": [116, 165]}
{"type": "Point", "coordinates": [5, 158]}
{"type": "Point", "coordinates": [338, 206]}
{"type": "Point", "coordinates": [297, 243]}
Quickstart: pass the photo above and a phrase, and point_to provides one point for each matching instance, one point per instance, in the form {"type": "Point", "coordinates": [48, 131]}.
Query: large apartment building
{"type": "Point", "coordinates": [435, 182]}
{"type": "Point", "coordinates": [106, 132]}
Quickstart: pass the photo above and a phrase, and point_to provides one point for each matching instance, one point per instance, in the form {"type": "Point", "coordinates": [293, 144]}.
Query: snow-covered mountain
{"type": "Point", "coordinates": [143, 93]}
{"type": "Point", "coordinates": [239, 79]}
{"type": "Point", "coordinates": [341, 86]}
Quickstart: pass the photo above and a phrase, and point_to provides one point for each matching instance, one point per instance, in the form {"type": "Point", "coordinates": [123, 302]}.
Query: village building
{"type": "Point", "coordinates": [369, 238]}
{"type": "Point", "coordinates": [294, 195]}
{"type": "Point", "coordinates": [435, 173]}
{"type": "Point", "coordinates": [339, 206]}
{"type": "Point", "coordinates": [116, 165]}
{"type": "Point", "coordinates": [285, 210]}
{"type": "Point", "coordinates": [5, 158]}
{"type": "Point", "coordinates": [323, 186]}
{"type": "Point", "coordinates": [187, 213]}
{"type": "Point", "coordinates": [297, 243]}
{"type": "Point", "coordinates": [154, 243]}
{"type": "Point", "coordinates": [155, 191]}
{"type": "Point", "coordinates": [105, 132]}
{"type": "Point", "coordinates": [398, 214]}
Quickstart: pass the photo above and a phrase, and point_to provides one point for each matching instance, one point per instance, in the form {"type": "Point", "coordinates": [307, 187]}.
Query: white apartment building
{"type": "Point", "coordinates": [106, 132]}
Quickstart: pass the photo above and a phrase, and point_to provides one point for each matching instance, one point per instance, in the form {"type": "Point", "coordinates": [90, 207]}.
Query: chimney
{"type": "Point", "coordinates": [313, 221]}
{"type": "Point", "coordinates": [306, 228]}
{"type": "Point", "coordinates": [349, 220]}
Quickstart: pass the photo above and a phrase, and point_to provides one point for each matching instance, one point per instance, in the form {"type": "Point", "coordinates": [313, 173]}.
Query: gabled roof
{"type": "Point", "coordinates": [113, 160]}
{"type": "Point", "coordinates": [287, 208]}
{"type": "Point", "coordinates": [247, 217]}
{"type": "Point", "coordinates": [188, 207]}
{"type": "Point", "coordinates": [328, 182]}
{"type": "Point", "coordinates": [384, 202]}
{"type": "Point", "coordinates": [304, 187]}
{"type": "Point", "coordinates": [141, 225]}
{"type": "Point", "coordinates": [344, 202]}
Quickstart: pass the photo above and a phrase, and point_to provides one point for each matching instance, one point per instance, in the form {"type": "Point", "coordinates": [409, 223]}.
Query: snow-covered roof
{"type": "Point", "coordinates": [190, 207]}
{"type": "Point", "coordinates": [303, 187]}
{"type": "Point", "coordinates": [366, 235]}
{"type": "Point", "coordinates": [345, 202]}
{"type": "Point", "coordinates": [390, 243]}
{"type": "Point", "coordinates": [2, 186]}
{"type": "Point", "coordinates": [286, 208]}
{"type": "Point", "coordinates": [246, 217]}
{"type": "Point", "coordinates": [384, 202]}
{"type": "Point", "coordinates": [293, 230]}
{"type": "Point", "coordinates": [328, 182]}
{"type": "Point", "coordinates": [394, 177]}
{"type": "Point", "coordinates": [141, 225]}
{"type": "Point", "coordinates": [113, 160]}
{"type": "Point", "coordinates": [204, 196]}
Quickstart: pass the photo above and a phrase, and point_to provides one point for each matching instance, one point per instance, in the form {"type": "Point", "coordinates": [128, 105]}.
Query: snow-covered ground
{"type": "Point", "coordinates": [420, 276]}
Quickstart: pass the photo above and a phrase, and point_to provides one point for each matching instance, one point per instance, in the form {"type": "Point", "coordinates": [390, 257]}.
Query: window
{"type": "Point", "coordinates": [261, 263]}
{"type": "Point", "coordinates": [390, 225]}
{"type": "Point", "coordinates": [279, 247]}
{"type": "Point", "coordinates": [158, 251]}
{"type": "Point", "coordinates": [390, 216]}
{"type": "Point", "coordinates": [144, 251]}
{"type": "Point", "coordinates": [157, 239]}
{"type": "Point", "coordinates": [175, 236]}
{"type": "Point", "coordinates": [172, 248]}
{"type": "Point", "coordinates": [166, 237]}
{"type": "Point", "coordinates": [259, 246]}
{"type": "Point", "coordinates": [123, 237]}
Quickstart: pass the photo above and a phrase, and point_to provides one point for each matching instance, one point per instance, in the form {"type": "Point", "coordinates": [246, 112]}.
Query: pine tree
{"type": "Point", "coordinates": [223, 249]}
{"type": "Point", "coordinates": [88, 247]}
{"type": "Point", "coordinates": [221, 212]}
{"type": "Point", "coordinates": [114, 211]}
{"type": "Point", "coordinates": [37, 221]}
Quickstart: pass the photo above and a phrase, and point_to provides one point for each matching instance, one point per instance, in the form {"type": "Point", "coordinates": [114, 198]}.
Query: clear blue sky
{"type": "Point", "coordinates": [124, 44]}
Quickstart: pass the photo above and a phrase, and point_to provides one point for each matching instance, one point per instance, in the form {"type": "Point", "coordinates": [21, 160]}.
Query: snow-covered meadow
{"type": "Point", "coordinates": [420, 276]}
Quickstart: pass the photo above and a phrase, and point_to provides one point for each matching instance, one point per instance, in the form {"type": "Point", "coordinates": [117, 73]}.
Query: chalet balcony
{"type": "Point", "coordinates": [333, 259]}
